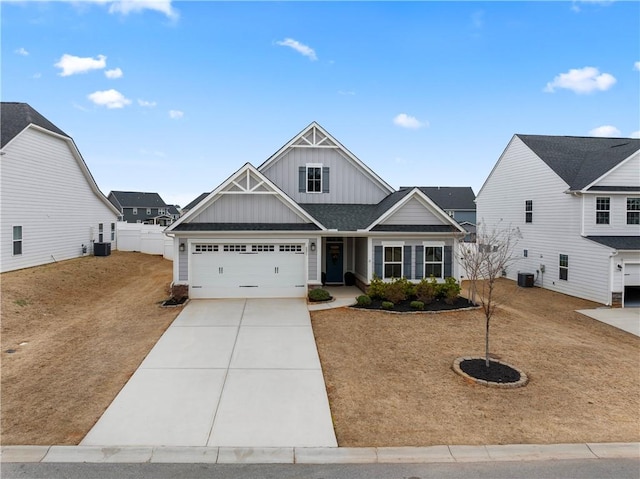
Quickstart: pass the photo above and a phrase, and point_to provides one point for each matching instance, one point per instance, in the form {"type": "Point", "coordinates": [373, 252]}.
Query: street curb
{"type": "Point", "coordinates": [318, 455]}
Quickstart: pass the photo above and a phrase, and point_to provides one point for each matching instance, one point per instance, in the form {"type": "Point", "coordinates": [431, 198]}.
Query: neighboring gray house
{"type": "Point", "coordinates": [51, 209]}
{"type": "Point", "coordinates": [309, 214]}
{"type": "Point", "coordinates": [139, 207]}
{"type": "Point", "coordinates": [173, 212]}
{"type": "Point", "coordinates": [576, 201]}
{"type": "Point", "coordinates": [459, 202]}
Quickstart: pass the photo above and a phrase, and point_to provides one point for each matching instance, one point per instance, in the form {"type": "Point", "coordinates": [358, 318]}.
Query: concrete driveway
{"type": "Point", "coordinates": [627, 319]}
{"type": "Point", "coordinates": [230, 373]}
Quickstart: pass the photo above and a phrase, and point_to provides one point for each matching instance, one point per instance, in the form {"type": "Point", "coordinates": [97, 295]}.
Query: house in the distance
{"type": "Point", "coordinates": [140, 207]}
{"type": "Point", "coordinates": [311, 214]}
{"type": "Point", "coordinates": [52, 209]}
{"type": "Point", "coordinates": [576, 201]}
{"type": "Point", "coordinates": [459, 202]}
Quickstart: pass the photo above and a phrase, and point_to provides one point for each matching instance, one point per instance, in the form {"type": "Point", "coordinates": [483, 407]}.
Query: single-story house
{"type": "Point", "coordinates": [307, 216]}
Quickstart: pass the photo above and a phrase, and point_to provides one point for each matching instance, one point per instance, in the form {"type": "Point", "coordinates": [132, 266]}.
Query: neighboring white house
{"type": "Point", "coordinates": [51, 206]}
{"type": "Point", "coordinates": [307, 216]}
{"type": "Point", "coordinates": [576, 201]}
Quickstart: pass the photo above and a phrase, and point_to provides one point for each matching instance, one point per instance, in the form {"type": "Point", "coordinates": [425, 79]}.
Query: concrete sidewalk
{"type": "Point", "coordinates": [228, 373]}
{"type": "Point", "coordinates": [302, 455]}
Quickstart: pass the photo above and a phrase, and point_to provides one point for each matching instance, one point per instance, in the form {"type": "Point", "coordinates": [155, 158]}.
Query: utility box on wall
{"type": "Point", "coordinates": [525, 280]}
{"type": "Point", "coordinates": [101, 249]}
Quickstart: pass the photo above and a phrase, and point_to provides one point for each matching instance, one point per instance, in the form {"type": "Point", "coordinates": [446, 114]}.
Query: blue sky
{"type": "Point", "coordinates": [175, 96]}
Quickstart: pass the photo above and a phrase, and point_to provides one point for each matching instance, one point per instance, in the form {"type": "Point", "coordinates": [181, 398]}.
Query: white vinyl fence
{"type": "Point", "coordinates": [148, 239]}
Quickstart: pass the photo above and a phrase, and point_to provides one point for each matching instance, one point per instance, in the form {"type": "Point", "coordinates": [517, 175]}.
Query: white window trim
{"type": "Point", "coordinates": [148, 211]}
{"type": "Point", "coordinates": [13, 240]}
{"type": "Point", "coordinates": [306, 178]}
{"type": "Point", "coordinates": [626, 216]}
{"type": "Point", "coordinates": [135, 211]}
{"type": "Point", "coordinates": [100, 232]}
{"type": "Point", "coordinates": [608, 211]}
{"type": "Point", "coordinates": [432, 244]}
{"type": "Point", "coordinates": [528, 211]}
{"type": "Point", "coordinates": [113, 231]}
{"type": "Point", "coordinates": [560, 268]}
{"type": "Point", "coordinates": [394, 244]}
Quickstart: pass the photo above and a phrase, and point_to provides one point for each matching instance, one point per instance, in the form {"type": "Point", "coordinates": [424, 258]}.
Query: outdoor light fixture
{"type": "Point", "coordinates": [313, 246]}
{"type": "Point", "coordinates": [620, 267]}
{"type": "Point", "coordinates": [182, 247]}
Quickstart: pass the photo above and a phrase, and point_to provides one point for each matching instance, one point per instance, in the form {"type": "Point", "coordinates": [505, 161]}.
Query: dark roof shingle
{"type": "Point", "coordinates": [579, 160]}
{"type": "Point", "coordinates": [617, 242]}
{"type": "Point", "coordinates": [138, 199]}
{"type": "Point", "coordinates": [15, 117]}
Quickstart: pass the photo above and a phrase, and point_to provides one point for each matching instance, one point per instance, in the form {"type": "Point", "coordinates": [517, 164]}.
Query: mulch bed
{"type": "Point", "coordinates": [496, 372]}
{"type": "Point", "coordinates": [436, 305]}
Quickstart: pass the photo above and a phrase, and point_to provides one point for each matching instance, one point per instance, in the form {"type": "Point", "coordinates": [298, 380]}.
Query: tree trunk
{"type": "Point", "coordinates": [486, 344]}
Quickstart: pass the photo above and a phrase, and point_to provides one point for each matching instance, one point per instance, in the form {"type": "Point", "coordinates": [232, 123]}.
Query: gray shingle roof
{"type": "Point", "coordinates": [138, 199]}
{"type": "Point", "coordinates": [618, 242]}
{"type": "Point", "coordinates": [580, 160]}
{"type": "Point", "coordinates": [15, 117]}
{"type": "Point", "coordinates": [417, 228]}
{"type": "Point", "coordinates": [451, 197]}
{"type": "Point", "coordinates": [246, 227]}
{"type": "Point", "coordinates": [191, 205]}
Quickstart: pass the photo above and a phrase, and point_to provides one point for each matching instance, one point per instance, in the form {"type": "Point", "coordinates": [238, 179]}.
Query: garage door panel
{"type": "Point", "coordinates": [239, 274]}
{"type": "Point", "coordinates": [632, 274]}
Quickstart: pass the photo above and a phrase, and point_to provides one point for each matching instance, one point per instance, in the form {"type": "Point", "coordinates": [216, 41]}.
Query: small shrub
{"type": "Point", "coordinates": [363, 300]}
{"type": "Point", "coordinates": [376, 288]}
{"type": "Point", "coordinates": [427, 290]}
{"type": "Point", "coordinates": [450, 290]}
{"type": "Point", "coordinates": [396, 291]}
{"type": "Point", "coordinates": [387, 305]}
{"type": "Point", "coordinates": [319, 295]}
{"type": "Point", "coordinates": [419, 305]}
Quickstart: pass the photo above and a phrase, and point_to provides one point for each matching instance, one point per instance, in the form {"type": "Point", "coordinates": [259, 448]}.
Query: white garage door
{"type": "Point", "coordinates": [632, 274]}
{"type": "Point", "coordinates": [246, 270]}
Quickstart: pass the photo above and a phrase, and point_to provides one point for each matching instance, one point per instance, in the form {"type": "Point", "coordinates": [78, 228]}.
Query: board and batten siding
{"type": "Point", "coordinates": [556, 227]}
{"type": "Point", "coordinates": [250, 208]}
{"type": "Point", "coordinates": [413, 213]}
{"type": "Point", "coordinates": [348, 183]}
{"type": "Point", "coordinates": [626, 174]}
{"type": "Point", "coordinates": [45, 191]}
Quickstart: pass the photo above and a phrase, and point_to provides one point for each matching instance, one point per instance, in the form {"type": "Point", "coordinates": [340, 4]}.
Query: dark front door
{"type": "Point", "coordinates": [334, 262]}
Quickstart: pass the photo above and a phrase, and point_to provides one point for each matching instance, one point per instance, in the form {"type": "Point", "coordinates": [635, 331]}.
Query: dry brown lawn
{"type": "Point", "coordinates": [390, 380]}
{"type": "Point", "coordinates": [79, 329]}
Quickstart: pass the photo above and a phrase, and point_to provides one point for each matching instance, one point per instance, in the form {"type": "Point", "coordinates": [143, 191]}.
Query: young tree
{"type": "Point", "coordinates": [485, 262]}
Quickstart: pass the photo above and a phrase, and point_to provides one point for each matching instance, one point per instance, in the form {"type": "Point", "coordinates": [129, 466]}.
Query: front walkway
{"type": "Point", "coordinates": [226, 373]}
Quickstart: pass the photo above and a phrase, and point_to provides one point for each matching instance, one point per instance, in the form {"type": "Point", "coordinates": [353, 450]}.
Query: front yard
{"type": "Point", "coordinates": [74, 332]}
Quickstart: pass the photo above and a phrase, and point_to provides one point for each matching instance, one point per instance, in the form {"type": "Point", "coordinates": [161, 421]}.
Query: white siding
{"type": "Point", "coordinates": [617, 216]}
{"type": "Point", "coordinates": [362, 259]}
{"type": "Point", "coordinates": [627, 174]}
{"type": "Point", "coordinates": [249, 208]}
{"type": "Point", "coordinates": [44, 190]}
{"type": "Point", "coordinates": [348, 183]}
{"type": "Point", "coordinates": [413, 213]}
{"type": "Point", "coordinates": [519, 176]}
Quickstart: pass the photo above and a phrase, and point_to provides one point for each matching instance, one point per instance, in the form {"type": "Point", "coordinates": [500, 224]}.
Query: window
{"type": "Point", "coordinates": [135, 211]}
{"type": "Point", "coordinates": [148, 211]}
{"type": "Point", "coordinates": [206, 248]}
{"type": "Point", "coordinates": [314, 179]}
{"type": "Point", "coordinates": [161, 211]}
{"type": "Point", "coordinates": [392, 265]}
{"type": "Point", "coordinates": [262, 248]}
{"type": "Point", "coordinates": [290, 248]}
{"type": "Point", "coordinates": [564, 267]}
{"type": "Point", "coordinates": [528, 211]}
{"type": "Point", "coordinates": [100, 232]}
{"type": "Point", "coordinates": [433, 261]}
{"type": "Point", "coordinates": [113, 231]}
{"type": "Point", "coordinates": [234, 248]}
{"type": "Point", "coordinates": [633, 211]}
{"type": "Point", "coordinates": [602, 210]}
{"type": "Point", "coordinates": [17, 240]}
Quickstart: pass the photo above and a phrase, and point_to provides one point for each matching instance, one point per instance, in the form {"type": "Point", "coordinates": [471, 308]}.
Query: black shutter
{"type": "Point", "coordinates": [448, 261]}
{"type": "Point", "coordinates": [377, 261]}
{"type": "Point", "coordinates": [419, 262]}
{"type": "Point", "coordinates": [325, 179]}
{"type": "Point", "coordinates": [406, 262]}
{"type": "Point", "coordinates": [302, 179]}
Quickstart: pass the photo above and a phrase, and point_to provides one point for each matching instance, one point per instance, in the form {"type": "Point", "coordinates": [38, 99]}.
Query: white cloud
{"type": "Point", "coordinates": [21, 51]}
{"type": "Point", "coordinates": [406, 121]}
{"type": "Point", "coordinates": [346, 92]}
{"type": "Point", "coordinates": [299, 47]}
{"type": "Point", "coordinates": [109, 98]}
{"type": "Point", "coordinates": [115, 73]}
{"type": "Point", "coordinates": [636, 66]}
{"type": "Point", "coordinates": [36, 76]}
{"type": "Point", "coordinates": [635, 134]}
{"type": "Point", "coordinates": [71, 64]}
{"type": "Point", "coordinates": [582, 80]}
{"type": "Point", "coordinates": [128, 6]}
{"type": "Point", "coordinates": [575, 6]}
{"type": "Point", "coordinates": [146, 104]}
{"type": "Point", "coordinates": [605, 131]}
{"type": "Point", "coordinates": [176, 114]}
